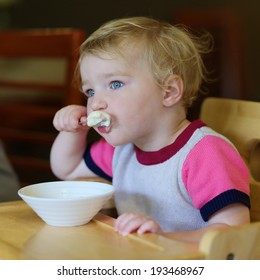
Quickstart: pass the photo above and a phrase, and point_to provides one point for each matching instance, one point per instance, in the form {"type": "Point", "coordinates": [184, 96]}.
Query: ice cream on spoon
{"type": "Point", "coordinates": [98, 118]}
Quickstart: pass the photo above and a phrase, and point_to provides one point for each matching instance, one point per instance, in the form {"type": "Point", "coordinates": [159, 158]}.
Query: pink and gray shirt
{"type": "Point", "coordinates": [182, 185]}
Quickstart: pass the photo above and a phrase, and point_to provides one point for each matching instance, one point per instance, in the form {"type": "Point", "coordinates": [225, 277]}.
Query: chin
{"type": "Point", "coordinates": [115, 142]}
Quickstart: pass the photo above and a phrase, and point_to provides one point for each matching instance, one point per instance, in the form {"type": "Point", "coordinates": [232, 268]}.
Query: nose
{"type": "Point", "coordinates": [98, 102]}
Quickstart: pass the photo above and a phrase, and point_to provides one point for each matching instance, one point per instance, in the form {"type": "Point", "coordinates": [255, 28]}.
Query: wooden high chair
{"type": "Point", "coordinates": [239, 121]}
{"type": "Point", "coordinates": [36, 79]}
{"type": "Point", "coordinates": [235, 243]}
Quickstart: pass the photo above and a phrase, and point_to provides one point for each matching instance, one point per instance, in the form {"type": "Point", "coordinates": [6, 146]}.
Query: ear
{"type": "Point", "coordinates": [173, 90]}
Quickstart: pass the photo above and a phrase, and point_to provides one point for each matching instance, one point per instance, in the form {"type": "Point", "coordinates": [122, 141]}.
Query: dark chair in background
{"type": "Point", "coordinates": [36, 79]}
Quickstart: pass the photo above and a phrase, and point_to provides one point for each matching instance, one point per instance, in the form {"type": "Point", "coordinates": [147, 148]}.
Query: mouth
{"type": "Point", "coordinates": [103, 128]}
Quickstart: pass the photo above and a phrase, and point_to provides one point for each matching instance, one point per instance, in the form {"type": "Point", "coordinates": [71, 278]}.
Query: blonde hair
{"type": "Point", "coordinates": [167, 49]}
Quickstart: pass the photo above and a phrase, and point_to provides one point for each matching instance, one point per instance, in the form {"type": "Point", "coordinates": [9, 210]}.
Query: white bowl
{"type": "Point", "coordinates": [67, 203]}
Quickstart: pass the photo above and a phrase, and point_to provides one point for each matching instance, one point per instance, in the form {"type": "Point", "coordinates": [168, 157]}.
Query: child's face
{"type": "Point", "coordinates": [127, 90]}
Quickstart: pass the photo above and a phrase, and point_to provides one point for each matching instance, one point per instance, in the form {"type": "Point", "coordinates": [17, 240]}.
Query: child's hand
{"type": "Point", "coordinates": [69, 118]}
{"type": "Point", "coordinates": [129, 222]}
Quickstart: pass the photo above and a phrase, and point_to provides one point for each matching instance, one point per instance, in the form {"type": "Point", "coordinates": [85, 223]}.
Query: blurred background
{"type": "Point", "coordinates": [89, 15]}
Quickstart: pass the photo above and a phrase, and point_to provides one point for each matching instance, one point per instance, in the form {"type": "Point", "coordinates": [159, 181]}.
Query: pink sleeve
{"type": "Point", "coordinates": [102, 154]}
{"type": "Point", "coordinates": [212, 167]}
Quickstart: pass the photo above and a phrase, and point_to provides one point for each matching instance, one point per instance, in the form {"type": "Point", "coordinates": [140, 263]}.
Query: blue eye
{"type": "Point", "coordinates": [90, 92]}
{"type": "Point", "coordinates": [116, 84]}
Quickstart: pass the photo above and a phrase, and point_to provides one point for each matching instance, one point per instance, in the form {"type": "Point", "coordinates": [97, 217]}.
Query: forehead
{"type": "Point", "coordinates": [103, 63]}
{"type": "Point", "coordinates": [95, 69]}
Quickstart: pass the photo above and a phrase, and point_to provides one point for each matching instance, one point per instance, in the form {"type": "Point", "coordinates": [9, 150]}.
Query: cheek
{"type": "Point", "coordinates": [131, 109]}
{"type": "Point", "coordinates": [132, 119]}
{"type": "Point", "coordinates": [88, 106]}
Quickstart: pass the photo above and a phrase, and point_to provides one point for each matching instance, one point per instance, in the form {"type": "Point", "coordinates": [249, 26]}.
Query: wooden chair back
{"type": "Point", "coordinates": [239, 121]}
{"type": "Point", "coordinates": [236, 243]}
{"type": "Point", "coordinates": [36, 79]}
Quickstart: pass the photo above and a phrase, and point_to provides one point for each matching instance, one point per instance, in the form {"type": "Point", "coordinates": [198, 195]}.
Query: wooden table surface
{"type": "Point", "coordinates": [23, 235]}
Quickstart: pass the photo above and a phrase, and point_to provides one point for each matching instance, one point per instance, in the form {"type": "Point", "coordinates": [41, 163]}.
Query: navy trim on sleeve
{"type": "Point", "coordinates": [92, 165]}
{"type": "Point", "coordinates": [222, 200]}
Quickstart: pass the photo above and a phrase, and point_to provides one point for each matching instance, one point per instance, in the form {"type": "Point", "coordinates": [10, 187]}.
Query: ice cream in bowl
{"type": "Point", "coordinates": [67, 203]}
